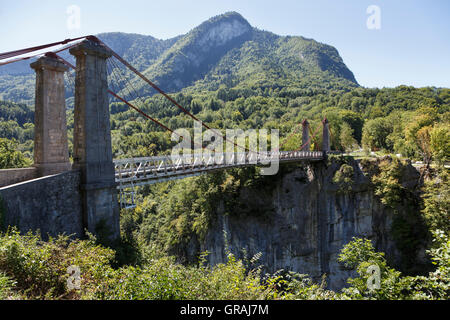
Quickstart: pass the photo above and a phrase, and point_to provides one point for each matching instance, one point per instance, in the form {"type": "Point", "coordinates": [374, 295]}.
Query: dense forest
{"type": "Point", "coordinates": [409, 121]}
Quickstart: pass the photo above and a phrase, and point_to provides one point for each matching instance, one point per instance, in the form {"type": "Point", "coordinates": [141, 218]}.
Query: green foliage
{"type": "Point", "coordinates": [2, 215]}
{"type": "Point", "coordinates": [39, 268]}
{"type": "Point", "coordinates": [375, 133]}
{"type": "Point", "coordinates": [6, 286]}
{"type": "Point", "coordinates": [387, 182]}
{"type": "Point", "coordinates": [436, 199]}
{"type": "Point", "coordinates": [32, 269]}
{"type": "Point", "coordinates": [344, 178]}
{"type": "Point", "coordinates": [19, 113]}
{"type": "Point", "coordinates": [172, 214]}
{"type": "Point", "coordinates": [10, 157]}
{"type": "Point", "coordinates": [440, 142]}
{"type": "Point", "coordinates": [359, 254]}
{"type": "Point", "coordinates": [346, 139]}
{"type": "Point", "coordinates": [408, 228]}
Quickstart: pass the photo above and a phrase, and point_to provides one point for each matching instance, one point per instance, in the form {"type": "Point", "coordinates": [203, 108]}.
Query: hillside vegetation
{"type": "Point", "coordinates": [231, 75]}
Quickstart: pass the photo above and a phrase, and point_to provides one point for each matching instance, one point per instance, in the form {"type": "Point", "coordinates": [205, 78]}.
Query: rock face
{"type": "Point", "coordinates": [191, 57]}
{"type": "Point", "coordinates": [307, 222]}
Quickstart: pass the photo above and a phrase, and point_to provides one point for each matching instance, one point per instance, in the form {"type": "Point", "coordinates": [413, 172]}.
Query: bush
{"type": "Point", "coordinates": [387, 182]}
{"type": "Point", "coordinates": [40, 268]}
{"type": "Point", "coordinates": [6, 286]}
{"type": "Point", "coordinates": [359, 254]}
{"type": "Point", "coordinates": [344, 178]}
{"type": "Point", "coordinates": [436, 198]}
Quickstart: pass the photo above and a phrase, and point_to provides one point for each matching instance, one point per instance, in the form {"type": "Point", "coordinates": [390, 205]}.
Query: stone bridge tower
{"type": "Point", "coordinates": [51, 153]}
{"type": "Point", "coordinates": [92, 141]}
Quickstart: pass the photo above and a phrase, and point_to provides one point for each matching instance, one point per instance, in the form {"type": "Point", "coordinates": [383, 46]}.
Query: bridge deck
{"type": "Point", "coordinates": [142, 171]}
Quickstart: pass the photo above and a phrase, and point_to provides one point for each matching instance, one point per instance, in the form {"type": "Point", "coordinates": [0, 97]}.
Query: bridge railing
{"type": "Point", "coordinates": [134, 172]}
{"type": "Point", "coordinates": [146, 170]}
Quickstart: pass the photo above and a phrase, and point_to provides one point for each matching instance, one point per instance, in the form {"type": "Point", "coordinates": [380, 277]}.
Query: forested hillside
{"type": "Point", "coordinates": [223, 50]}
{"type": "Point", "coordinates": [232, 75]}
{"type": "Point", "coordinates": [393, 120]}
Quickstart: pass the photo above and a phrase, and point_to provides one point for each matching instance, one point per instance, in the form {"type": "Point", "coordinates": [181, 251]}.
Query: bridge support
{"type": "Point", "coordinates": [92, 141]}
{"type": "Point", "coordinates": [326, 136]}
{"type": "Point", "coordinates": [51, 153]}
{"type": "Point", "coordinates": [305, 136]}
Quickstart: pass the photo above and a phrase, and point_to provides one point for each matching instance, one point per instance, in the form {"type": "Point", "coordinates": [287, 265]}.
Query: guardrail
{"type": "Point", "coordinates": [130, 173]}
{"type": "Point", "coordinates": [139, 171]}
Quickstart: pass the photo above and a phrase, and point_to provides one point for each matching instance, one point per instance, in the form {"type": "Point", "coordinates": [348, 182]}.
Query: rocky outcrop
{"type": "Point", "coordinates": [191, 57]}
{"type": "Point", "coordinates": [303, 221]}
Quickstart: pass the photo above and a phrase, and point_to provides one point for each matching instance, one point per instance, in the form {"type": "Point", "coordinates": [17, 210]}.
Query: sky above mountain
{"type": "Point", "coordinates": [411, 45]}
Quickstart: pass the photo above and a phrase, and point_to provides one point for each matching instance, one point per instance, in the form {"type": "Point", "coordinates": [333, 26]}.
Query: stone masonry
{"type": "Point", "coordinates": [51, 154]}
{"type": "Point", "coordinates": [305, 136]}
{"type": "Point", "coordinates": [92, 140]}
{"type": "Point", "coordinates": [326, 136]}
{"type": "Point", "coordinates": [50, 204]}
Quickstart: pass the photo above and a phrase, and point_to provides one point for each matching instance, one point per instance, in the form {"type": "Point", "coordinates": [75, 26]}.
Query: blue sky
{"type": "Point", "coordinates": [411, 47]}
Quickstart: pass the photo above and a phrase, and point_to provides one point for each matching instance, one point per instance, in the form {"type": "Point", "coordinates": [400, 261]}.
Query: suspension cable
{"type": "Point", "coordinates": [126, 102]}
{"type": "Point", "coordinates": [15, 53]}
{"type": "Point", "coordinates": [134, 70]}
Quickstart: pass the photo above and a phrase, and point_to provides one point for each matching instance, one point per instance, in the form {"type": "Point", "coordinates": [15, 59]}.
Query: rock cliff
{"type": "Point", "coordinates": [304, 220]}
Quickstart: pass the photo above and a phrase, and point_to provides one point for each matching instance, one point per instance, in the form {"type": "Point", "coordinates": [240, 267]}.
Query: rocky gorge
{"type": "Point", "coordinates": [301, 221]}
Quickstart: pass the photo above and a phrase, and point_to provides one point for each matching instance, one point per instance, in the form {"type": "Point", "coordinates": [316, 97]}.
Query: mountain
{"type": "Point", "coordinates": [224, 50]}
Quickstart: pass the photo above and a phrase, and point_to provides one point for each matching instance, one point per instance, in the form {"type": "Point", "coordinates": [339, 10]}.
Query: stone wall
{"type": "Point", "coordinates": [51, 204]}
{"type": "Point", "coordinates": [11, 176]}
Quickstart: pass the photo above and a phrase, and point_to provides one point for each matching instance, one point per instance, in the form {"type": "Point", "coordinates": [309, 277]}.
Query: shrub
{"type": "Point", "coordinates": [40, 268]}
{"type": "Point", "coordinates": [6, 286]}
{"type": "Point", "coordinates": [344, 178]}
{"type": "Point", "coordinates": [387, 182]}
{"type": "Point", "coordinates": [359, 254]}
{"type": "Point", "coordinates": [436, 198]}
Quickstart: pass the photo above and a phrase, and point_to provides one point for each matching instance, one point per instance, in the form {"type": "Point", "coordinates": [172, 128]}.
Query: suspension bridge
{"type": "Point", "coordinates": [98, 72]}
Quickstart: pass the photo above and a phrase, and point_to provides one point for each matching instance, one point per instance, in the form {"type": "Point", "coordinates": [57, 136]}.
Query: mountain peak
{"type": "Point", "coordinates": [230, 15]}
{"type": "Point", "coordinates": [221, 29]}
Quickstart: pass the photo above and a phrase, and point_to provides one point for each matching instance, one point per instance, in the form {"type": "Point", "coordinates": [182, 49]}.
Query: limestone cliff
{"type": "Point", "coordinates": [307, 219]}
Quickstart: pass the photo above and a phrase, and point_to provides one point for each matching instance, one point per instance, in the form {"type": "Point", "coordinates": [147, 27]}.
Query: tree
{"type": "Point", "coordinates": [424, 143]}
{"type": "Point", "coordinates": [436, 202]}
{"type": "Point", "coordinates": [10, 157]}
{"type": "Point", "coordinates": [347, 141]}
{"type": "Point", "coordinates": [440, 142]}
{"type": "Point", "coordinates": [355, 121]}
{"type": "Point", "coordinates": [424, 117]}
{"type": "Point", "coordinates": [375, 132]}
{"type": "Point", "coordinates": [344, 178]}
{"type": "Point", "coordinates": [359, 254]}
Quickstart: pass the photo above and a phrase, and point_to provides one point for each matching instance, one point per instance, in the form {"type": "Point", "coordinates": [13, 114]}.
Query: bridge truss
{"type": "Point", "coordinates": [135, 172]}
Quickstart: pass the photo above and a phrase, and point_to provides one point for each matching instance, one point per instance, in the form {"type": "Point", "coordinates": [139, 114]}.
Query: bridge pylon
{"type": "Point", "coordinates": [306, 143]}
{"type": "Point", "coordinates": [326, 147]}
{"type": "Point", "coordinates": [51, 153]}
{"type": "Point", "coordinates": [92, 141]}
